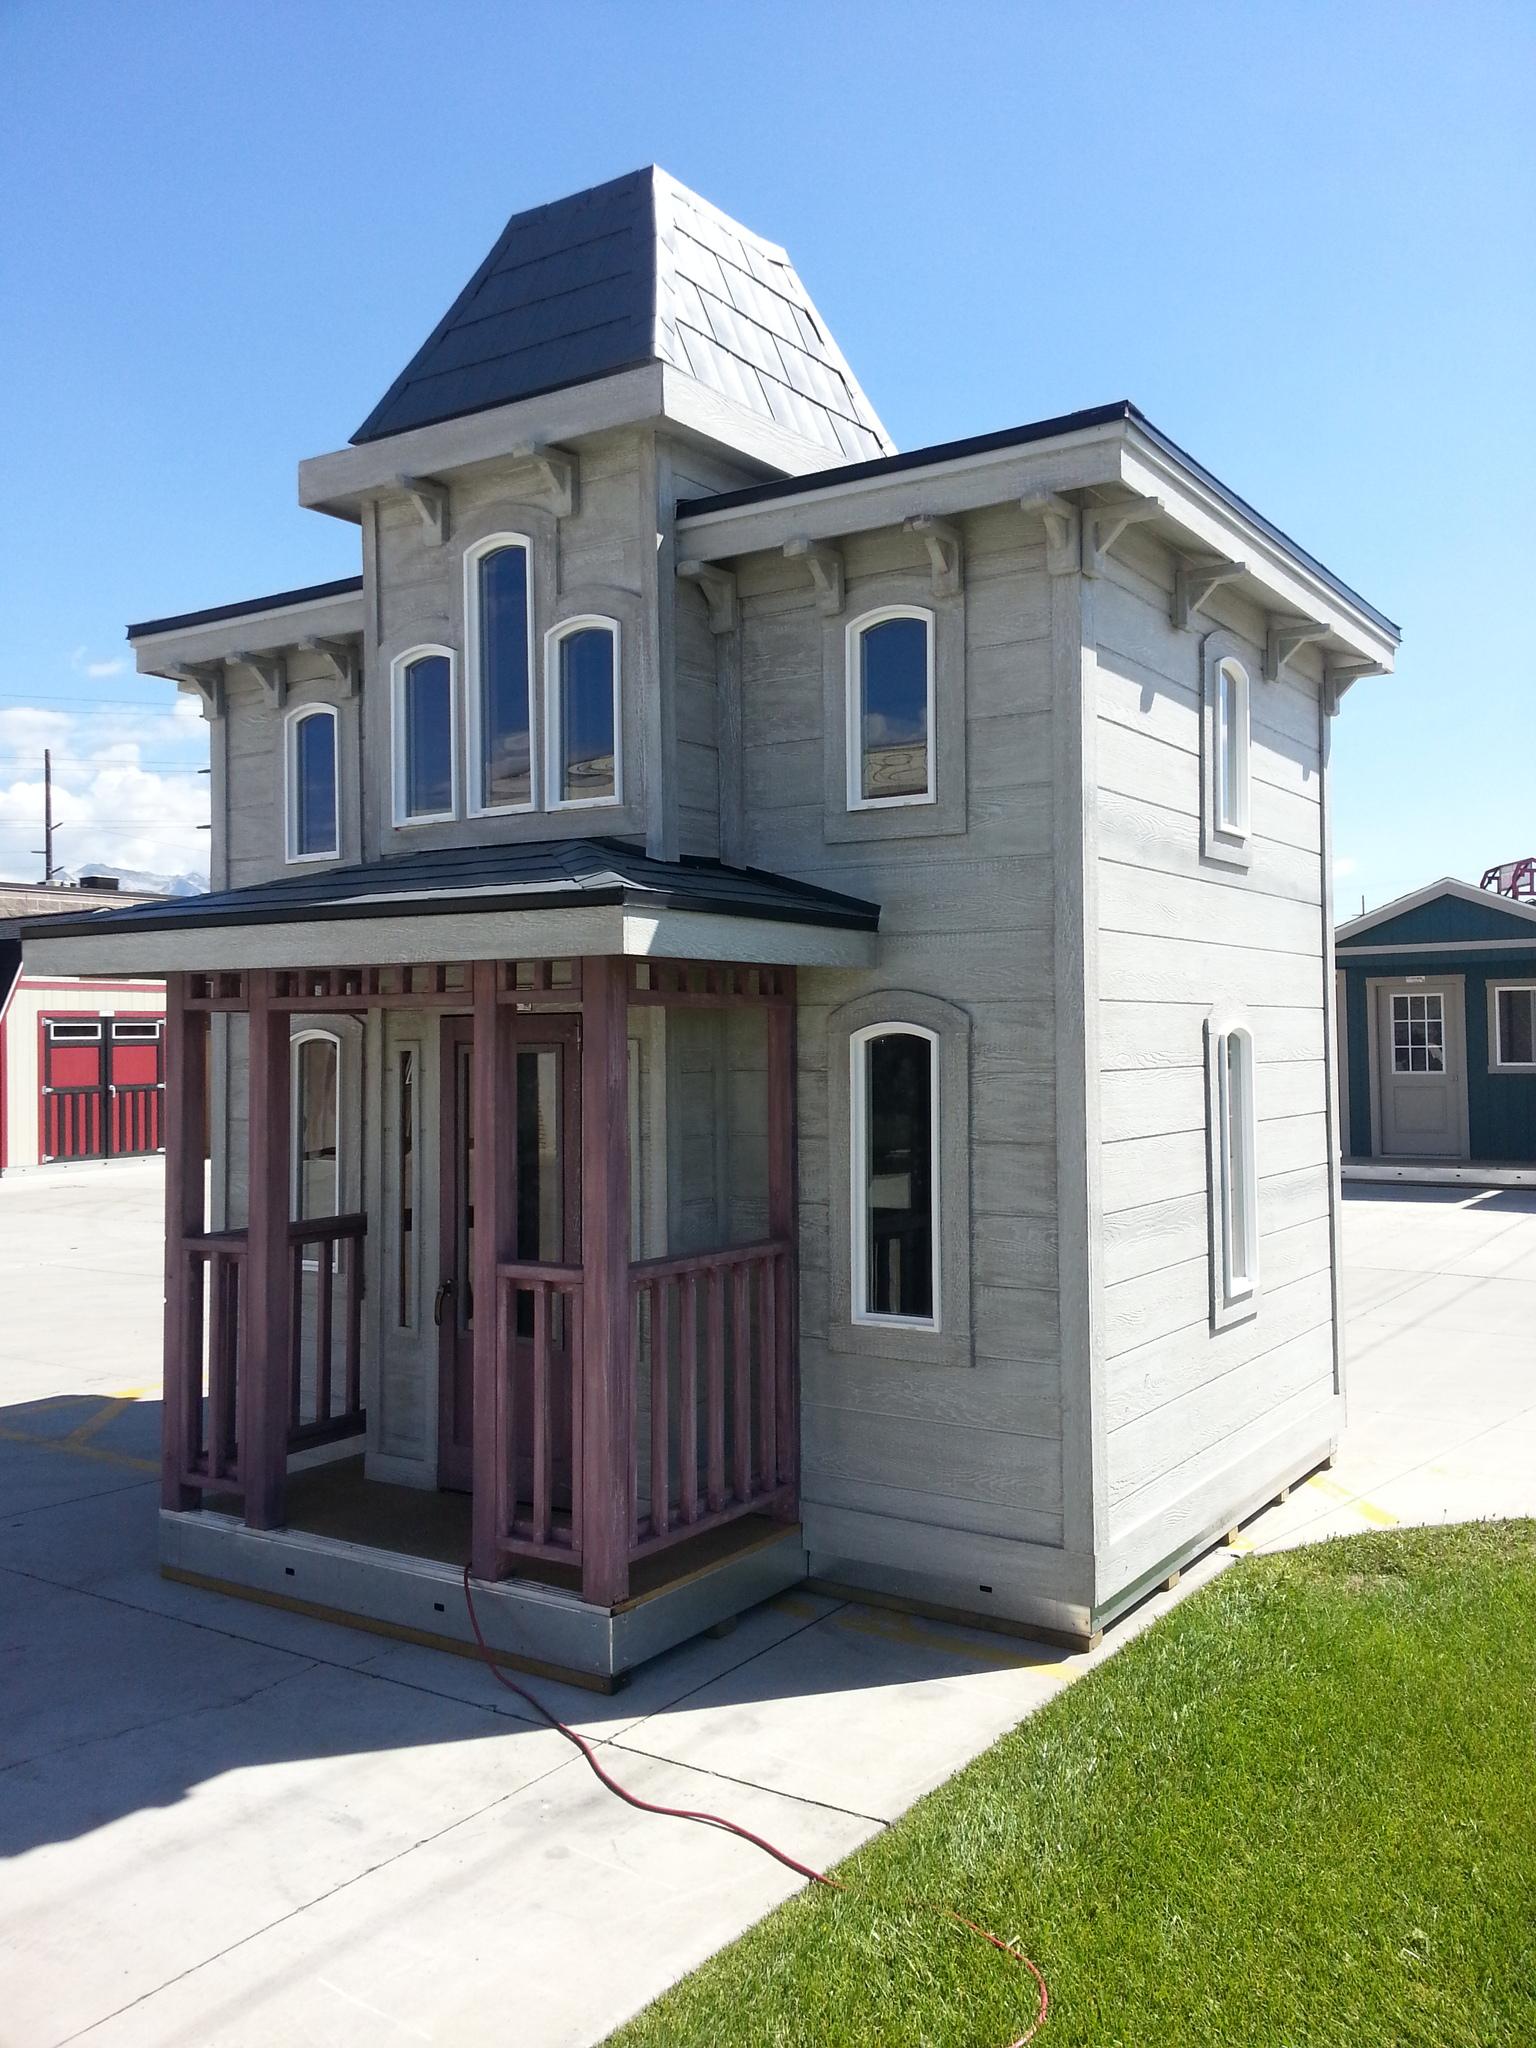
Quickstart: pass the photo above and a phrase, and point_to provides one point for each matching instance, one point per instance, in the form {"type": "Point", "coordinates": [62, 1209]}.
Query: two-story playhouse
{"type": "Point", "coordinates": [765, 1001]}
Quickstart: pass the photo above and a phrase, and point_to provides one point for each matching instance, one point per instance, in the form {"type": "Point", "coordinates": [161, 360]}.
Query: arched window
{"type": "Point", "coordinates": [1234, 1162]}
{"type": "Point", "coordinates": [316, 1092]}
{"type": "Point", "coordinates": [498, 613]}
{"type": "Point", "coordinates": [890, 677]}
{"type": "Point", "coordinates": [313, 830]}
{"type": "Point", "coordinates": [425, 736]}
{"type": "Point", "coordinates": [894, 1207]}
{"type": "Point", "coordinates": [1231, 749]}
{"type": "Point", "coordinates": [582, 712]}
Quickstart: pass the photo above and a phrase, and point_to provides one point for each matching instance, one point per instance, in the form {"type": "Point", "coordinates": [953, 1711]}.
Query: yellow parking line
{"type": "Point", "coordinates": [55, 1443]}
{"type": "Point", "coordinates": [1368, 1511]}
{"type": "Point", "coordinates": [100, 1419]}
{"type": "Point", "coordinates": [890, 1627]}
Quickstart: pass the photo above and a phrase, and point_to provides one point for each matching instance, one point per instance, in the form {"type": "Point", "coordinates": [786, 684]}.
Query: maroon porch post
{"type": "Point", "coordinates": [492, 1112]}
{"type": "Point", "coordinates": [781, 1225]}
{"type": "Point", "coordinates": [608, 1405]}
{"type": "Point", "coordinates": [186, 1120]}
{"type": "Point", "coordinates": [265, 1334]}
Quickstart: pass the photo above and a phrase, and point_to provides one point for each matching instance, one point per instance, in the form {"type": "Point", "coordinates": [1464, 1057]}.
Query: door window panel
{"type": "Point", "coordinates": [1418, 1033]}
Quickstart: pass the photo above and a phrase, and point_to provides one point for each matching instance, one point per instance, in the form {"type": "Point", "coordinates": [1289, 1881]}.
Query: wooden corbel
{"type": "Point", "coordinates": [946, 552]}
{"type": "Point", "coordinates": [207, 678]}
{"type": "Point", "coordinates": [1062, 551]}
{"type": "Point", "coordinates": [1286, 635]}
{"type": "Point", "coordinates": [719, 588]}
{"type": "Point", "coordinates": [1194, 578]}
{"type": "Point", "coordinates": [559, 474]}
{"type": "Point", "coordinates": [1337, 677]}
{"type": "Point", "coordinates": [431, 501]}
{"type": "Point", "coordinates": [344, 659]}
{"type": "Point", "coordinates": [270, 670]}
{"type": "Point", "coordinates": [826, 567]}
{"type": "Point", "coordinates": [1104, 524]}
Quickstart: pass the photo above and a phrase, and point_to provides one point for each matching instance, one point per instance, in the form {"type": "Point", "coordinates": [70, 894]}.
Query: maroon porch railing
{"type": "Point", "coordinates": [215, 1266]}
{"type": "Point", "coordinates": [712, 1356]}
{"type": "Point", "coordinates": [538, 1355]}
{"type": "Point", "coordinates": [327, 1254]}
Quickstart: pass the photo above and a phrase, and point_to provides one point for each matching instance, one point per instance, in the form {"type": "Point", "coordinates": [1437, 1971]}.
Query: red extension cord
{"type": "Point", "coordinates": [731, 1827]}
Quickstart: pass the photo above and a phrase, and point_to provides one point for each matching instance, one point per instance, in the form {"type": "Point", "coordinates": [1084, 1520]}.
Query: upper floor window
{"type": "Point", "coordinates": [313, 830]}
{"type": "Point", "coordinates": [894, 1100]}
{"type": "Point", "coordinates": [890, 685]}
{"type": "Point", "coordinates": [425, 736]}
{"type": "Point", "coordinates": [499, 622]}
{"type": "Point", "coordinates": [582, 712]}
{"type": "Point", "coordinates": [1234, 1163]}
{"type": "Point", "coordinates": [1231, 749]}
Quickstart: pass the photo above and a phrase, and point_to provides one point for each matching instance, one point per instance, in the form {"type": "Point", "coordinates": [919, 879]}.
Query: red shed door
{"type": "Point", "coordinates": [73, 1121]}
{"type": "Point", "coordinates": [135, 1084]}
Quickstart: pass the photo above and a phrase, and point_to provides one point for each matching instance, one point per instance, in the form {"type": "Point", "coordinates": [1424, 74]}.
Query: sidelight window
{"type": "Point", "coordinates": [894, 1100]}
{"type": "Point", "coordinates": [1234, 1173]}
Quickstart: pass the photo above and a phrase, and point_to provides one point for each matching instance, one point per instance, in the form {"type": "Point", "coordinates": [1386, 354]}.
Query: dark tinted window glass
{"type": "Point", "coordinates": [586, 714]}
{"type": "Point", "coordinates": [428, 737]}
{"type": "Point", "coordinates": [315, 750]}
{"type": "Point", "coordinates": [898, 1189]}
{"type": "Point", "coordinates": [1517, 1016]}
{"type": "Point", "coordinates": [893, 709]}
{"type": "Point", "coordinates": [506, 762]}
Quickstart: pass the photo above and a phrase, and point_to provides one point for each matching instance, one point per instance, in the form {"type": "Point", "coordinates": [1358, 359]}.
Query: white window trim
{"type": "Point", "coordinates": [1497, 1064]}
{"type": "Point", "coordinates": [295, 718]}
{"type": "Point", "coordinates": [858, 1178]}
{"type": "Point", "coordinates": [397, 668]}
{"type": "Point", "coordinates": [1234, 809]}
{"type": "Point", "coordinates": [553, 735]}
{"type": "Point", "coordinates": [295, 1162]}
{"type": "Point", "coordinates": [853, 743]}
{"type": "Point", "coordinates": [1234, 1295]}
{"type": "Point", "coordinates": [474, 714]}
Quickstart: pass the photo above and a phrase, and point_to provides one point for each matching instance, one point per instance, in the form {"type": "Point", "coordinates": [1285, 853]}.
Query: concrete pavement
{"type": "Point", "coordinates": [224, 1824]}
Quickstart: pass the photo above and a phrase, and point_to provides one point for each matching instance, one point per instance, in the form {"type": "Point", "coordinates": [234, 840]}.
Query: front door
{"type": "Point", "coordinates": [1421, 1076]}
{"type": "Point", "coordinates": [545, 1161]}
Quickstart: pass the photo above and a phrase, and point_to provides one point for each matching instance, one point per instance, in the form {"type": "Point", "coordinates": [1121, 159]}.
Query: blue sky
{"type": "Point", "coordinates": [1299, 237]}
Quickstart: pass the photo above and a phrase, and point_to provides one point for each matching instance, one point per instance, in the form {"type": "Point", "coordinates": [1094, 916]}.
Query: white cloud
{"type": "Point", "coordinates": [107, 806]}
{"type": "Point", "coordinates": [1344, 865]}
{"type": "Point", "coordinates": [105, 668]}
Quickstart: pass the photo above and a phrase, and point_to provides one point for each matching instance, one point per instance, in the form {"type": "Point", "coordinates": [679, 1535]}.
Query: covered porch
{"type": "Point", "coordinates": [539, 1326]}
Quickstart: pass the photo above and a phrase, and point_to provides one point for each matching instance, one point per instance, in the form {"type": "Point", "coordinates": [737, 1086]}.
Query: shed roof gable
{"type": "Point", "coordinates": [1446, 912]}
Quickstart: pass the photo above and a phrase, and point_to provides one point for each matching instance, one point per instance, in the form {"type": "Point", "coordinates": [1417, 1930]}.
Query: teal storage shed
{"type": "Point", "coordinates": [1437, 1035]}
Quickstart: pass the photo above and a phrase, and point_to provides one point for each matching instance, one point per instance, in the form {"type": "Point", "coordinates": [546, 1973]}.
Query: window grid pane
{"type": "Point", "coordinates": [893, 710]}
{"type": "Point", "coordinates": [315, 797]}
{"type": "Point", "coordinates": [428, 737]}
{"type": "Point", "coordinates": [1418, 1034]}
{"type": "Point", "coordinates": [506, 752]}
{"type": "Point", "coordinates": [898, 1176]}
{"type": "Point", "coordinates": [587, 763]}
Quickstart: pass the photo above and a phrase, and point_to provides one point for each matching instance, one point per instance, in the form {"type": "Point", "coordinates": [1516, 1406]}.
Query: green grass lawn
{"type": "Point", "coordinates": [1300, 1810]}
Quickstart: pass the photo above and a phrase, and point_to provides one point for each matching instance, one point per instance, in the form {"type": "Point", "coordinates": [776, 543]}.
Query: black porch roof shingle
{"type": "Point", "coordinates": [546, 874]}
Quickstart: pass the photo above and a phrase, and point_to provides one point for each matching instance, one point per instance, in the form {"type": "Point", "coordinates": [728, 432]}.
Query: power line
{"type": "Point", "coordinates": [146, 767]}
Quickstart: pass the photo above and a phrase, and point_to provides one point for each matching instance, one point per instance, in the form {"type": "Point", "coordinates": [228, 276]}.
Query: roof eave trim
{"type": "Point", "coordinates": [1448, 885]}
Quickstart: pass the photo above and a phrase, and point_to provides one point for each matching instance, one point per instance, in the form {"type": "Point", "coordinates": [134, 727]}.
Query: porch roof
{"type": "Point", "coordinates": [534, 899]}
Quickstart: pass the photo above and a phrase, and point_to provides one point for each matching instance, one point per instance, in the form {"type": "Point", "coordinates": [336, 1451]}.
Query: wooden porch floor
{"type": "Point", "coordinates": [337, 1500]}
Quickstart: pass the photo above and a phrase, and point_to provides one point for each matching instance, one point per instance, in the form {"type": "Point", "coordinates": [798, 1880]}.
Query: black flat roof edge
{"type": "Point", "coordinates": [1018, 437]}
{"type": "Point", "coordinates": [312, 593]}
{"type": "Point", "coordinates": [857, 916]}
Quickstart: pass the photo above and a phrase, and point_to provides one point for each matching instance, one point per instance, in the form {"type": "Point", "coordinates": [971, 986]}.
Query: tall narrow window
{"type": "Point", "coordinates": [499, 614]}
{"type": "Point", "coordinates": [890, 708]}
{"type": "Point", "coordinates": [426, 777]}
{"type": "Point", "coordinates": [1234, 1162]}
{"type": "Point", "coordinates": [893, 1095]}
{"type": "Point", "coordinates": [1231, 749]}
{"type": "Point", "coordinates": [405, 1170]}
{"type": "Point", "coordinates": [311, 774]}
{"type": "Point", "coordinates": [582, 680]}
{"type": "Point", "coordinates": [316, 1125]}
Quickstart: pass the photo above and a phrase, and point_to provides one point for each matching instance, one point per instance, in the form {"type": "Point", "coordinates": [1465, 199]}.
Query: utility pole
{"type": "Point", "coordinates": [47, 814]}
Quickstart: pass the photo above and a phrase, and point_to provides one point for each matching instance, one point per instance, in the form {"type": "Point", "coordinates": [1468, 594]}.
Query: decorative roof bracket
{"type": "Point", "coordinates": [207, 678]}
{"type": "Point", "coordinates": [344, 659]}
{"type": "Point", "coordinates": [270, 670]}
{"type": "Point", "coordinates": [1104, 524]}
{"type": "Point", "coordinates": [719, 588]}
{"type": "Point", "coordinates": [559, 474]}
{"type": "Point", "coordinates": [826, 567]}
{"type": "Point", "coordinates": [1338, 675]}
{"type": "Point", "coordinates": [431, 501]}
{"type": "Point", "coordinates": [946, 551]}
{"type": "Point", "coordinates": [1194, 578]}
{"type": "Point", "coordinates": [1286, 635]}
{"type": "Point", "coordinates": [1063, 553]}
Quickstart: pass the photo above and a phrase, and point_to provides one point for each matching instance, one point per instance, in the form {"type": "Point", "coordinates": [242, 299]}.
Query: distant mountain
{"type": "Point", "coordinates": [187, 884]}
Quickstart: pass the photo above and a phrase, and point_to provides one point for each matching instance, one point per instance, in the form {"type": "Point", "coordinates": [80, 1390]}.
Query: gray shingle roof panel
{"type": "Point", "coordinates": [637, 270]}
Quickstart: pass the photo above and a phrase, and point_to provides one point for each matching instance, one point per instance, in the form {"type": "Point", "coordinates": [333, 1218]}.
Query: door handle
{"type": "Point", "coordinates": [438, 1301]}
